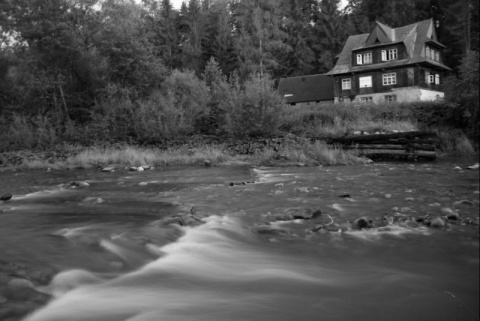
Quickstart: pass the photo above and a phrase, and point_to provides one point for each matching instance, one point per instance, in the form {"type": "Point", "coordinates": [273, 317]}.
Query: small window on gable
{"type": "Point", "coordinates": [384, 55]}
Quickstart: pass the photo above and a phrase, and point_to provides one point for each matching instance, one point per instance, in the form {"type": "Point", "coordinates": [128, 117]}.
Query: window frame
{"type": "Point", "coordinates": [390, 98]}
{"type": "Point", "coordinates": [392, 54]}
{"type": "Point", "coordinates": [389, 79]}
{"type": "Point", "coordinates": [364, 78]}
{"type": "Point", "coordinates": [366, 99]}
{"type": "Point", "coordinates": [346, 81]}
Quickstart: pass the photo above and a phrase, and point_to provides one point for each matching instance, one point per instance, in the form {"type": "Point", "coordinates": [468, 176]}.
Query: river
{"type": "Point", "coordinates": [247, 251]}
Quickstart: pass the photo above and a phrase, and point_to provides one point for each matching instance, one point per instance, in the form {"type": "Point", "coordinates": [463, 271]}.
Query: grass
{"type": "Point", "coordinates": [317, 153]}
{"type": "Point", "coordinates": [342, 119]}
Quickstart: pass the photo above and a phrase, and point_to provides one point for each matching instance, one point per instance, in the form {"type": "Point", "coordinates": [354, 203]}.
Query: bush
{"type": "Point", "coordinates": [21, 132]}
{"type": "Point", "coordinates": [190, 95]}
{"type": "Point", "coordinates": [254, 109]}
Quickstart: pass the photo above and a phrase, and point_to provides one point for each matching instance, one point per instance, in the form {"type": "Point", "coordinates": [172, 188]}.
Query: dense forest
{"type": "Point", "coordinates": [78, 59]}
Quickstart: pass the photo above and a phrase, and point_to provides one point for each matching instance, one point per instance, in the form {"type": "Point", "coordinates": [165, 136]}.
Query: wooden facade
{"type": "Point", "coordinates": [391, 64]}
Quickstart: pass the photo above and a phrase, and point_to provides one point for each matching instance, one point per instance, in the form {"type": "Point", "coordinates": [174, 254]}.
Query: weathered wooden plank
{"type": "Point", "coordinates": [398, 153]}
{"type": "Point", "coordinates": [392, 146]}
{"type": "Point", "coordinates": [383, 137]}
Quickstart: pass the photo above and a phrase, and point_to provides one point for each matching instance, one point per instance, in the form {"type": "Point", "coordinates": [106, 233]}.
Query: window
{"type": "Point", "coordinates": [389, 79]}
{"type": "Point", "coordinates": [364, 59]}
{"type": "Point", "coordinates": [365, 81]}
{"type": "Point", "coordinates": [366, 99]}
{"type": "Point", "coordinates": [390, 98]}
{"type": "Point", "coordinates": [359, 59]}
{"type": "Point", "coordinates": [367, 58]}
{"type": "Point", "coordinates": [432, 54]}
{"type": "Point", "coordinates": [390, 54]}
{"type": "Point", "coordinates": [346, 84]}
{"type": "Point", "coordinates": [432, 78]}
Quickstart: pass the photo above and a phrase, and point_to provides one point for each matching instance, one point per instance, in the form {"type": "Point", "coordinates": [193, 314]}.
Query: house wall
{"type": "Point", "coordinates": [406, 94]}
{"type": "Point", "coordinates": [414, 76]}
{"type": "Point", "coordinates": [377, 54]}
{"type": "Point", "coordinates": [312, 103]}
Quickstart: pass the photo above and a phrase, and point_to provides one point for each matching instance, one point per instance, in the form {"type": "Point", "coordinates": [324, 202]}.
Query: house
{"type": "Point", "coordinates": [307, 90]}
{"type": "Point", "coordinates": [391, 64]}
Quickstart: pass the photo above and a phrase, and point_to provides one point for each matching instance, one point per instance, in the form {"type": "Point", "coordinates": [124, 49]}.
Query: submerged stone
{"type": "Point", "coordinates": [437, 222]}
{"type": "Point", "coordinates": [6, 197]}
{"type": "Point", "coordinates": [362, 223]}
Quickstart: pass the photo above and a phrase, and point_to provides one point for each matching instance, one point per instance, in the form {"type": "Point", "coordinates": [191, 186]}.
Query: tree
{"type": "Point", "coordinates": [463, 92]}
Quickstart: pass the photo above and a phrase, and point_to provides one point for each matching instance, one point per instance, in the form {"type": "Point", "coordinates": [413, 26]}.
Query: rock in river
{"type": "Point", "coordinates": [6, 197]}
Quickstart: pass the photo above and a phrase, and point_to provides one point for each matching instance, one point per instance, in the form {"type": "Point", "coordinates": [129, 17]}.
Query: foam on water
{"type": "Point", "coordinates": [213, 268]}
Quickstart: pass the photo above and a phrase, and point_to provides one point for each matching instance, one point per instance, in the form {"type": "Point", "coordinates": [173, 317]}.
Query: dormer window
{"type": "Point", "coordinates": [364, 59]}
{"type": "Point", "coordinates": [390, 54]}
{"type": "Point", "coordinates": [432, 54]}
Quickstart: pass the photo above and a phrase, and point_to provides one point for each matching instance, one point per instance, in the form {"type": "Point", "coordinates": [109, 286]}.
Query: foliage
{"type": "Point", "coordinates": [463, 93]}
{"type": "Point", "coordinates": [253, 109]}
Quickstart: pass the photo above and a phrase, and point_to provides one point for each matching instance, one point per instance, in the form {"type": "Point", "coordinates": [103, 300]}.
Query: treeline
{"type": "Point", "coordinates": [81, 60]}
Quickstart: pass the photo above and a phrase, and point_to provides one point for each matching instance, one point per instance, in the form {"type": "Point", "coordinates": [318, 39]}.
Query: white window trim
{"type": "Point", "coordinates": [392, 54]}
{"type": "Point", "coordinates": [384, 55]}
{"type": "Point", "coordinates": [359, 59]}
{"type": "Point", "coordinates": [346, 83]}
{"type": "Point", "coordinates": [367, 79]}
{"type": "Point", "coordinates": [389, 79]}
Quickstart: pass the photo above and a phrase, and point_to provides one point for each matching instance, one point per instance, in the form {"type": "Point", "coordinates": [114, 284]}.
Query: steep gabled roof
{"type": "Point", "coordinates": [413, 36]}
{"type": "Point", "coordinates": [306, 88]}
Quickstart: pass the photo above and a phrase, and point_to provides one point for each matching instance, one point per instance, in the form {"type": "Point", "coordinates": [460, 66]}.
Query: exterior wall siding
{"type": "Point", "coordinates": [409, 81]}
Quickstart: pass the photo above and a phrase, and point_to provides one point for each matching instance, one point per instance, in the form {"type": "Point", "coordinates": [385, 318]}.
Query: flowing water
{"type": "Point", "coordinates": [118, 258]}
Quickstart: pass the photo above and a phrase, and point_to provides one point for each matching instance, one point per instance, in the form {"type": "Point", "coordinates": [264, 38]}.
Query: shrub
{"type": "Point", "coordinates": [253, 109]}
{"type": "Point", "coordinates": [190, 95]}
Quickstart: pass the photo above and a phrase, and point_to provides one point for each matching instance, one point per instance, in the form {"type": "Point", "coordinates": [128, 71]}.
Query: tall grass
{"type": "Point", "coordinates": [341, 119]}
{"type": "Point", "coordinates": [137, 156]}
{"type": "Point", "coordinates": [317, 153]}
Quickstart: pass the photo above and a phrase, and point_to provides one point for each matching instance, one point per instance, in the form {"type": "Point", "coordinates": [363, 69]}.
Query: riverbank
{"type": "Point", "coordinates": [209, 151]}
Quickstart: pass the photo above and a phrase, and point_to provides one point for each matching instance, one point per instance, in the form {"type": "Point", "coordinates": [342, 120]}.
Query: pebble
{"type": "Point", "coordinates": [409, 199]}
{"type": "Point", "coordinates": [143, 184]}
{"type": "Point", "coordinates": [388, 195]}
{"type": "Point", "coordinates": [108, 169]}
